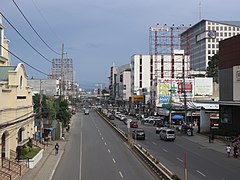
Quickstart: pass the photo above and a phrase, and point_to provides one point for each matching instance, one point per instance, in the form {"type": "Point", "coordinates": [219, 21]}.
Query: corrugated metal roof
{"type": "Point", "coordinates": [4, 72]}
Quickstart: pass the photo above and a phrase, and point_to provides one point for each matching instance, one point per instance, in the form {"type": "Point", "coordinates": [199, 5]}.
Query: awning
{"type": "Point", "coordinates": [50, 129]}
{"type": "Point", "coordinates": [177, 116]}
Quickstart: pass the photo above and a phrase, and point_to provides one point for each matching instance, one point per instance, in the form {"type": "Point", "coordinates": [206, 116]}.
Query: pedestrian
{"type": "Point", "coordinates": [212, 138]}
{"type": "Point", "coordinates": [209, 139]}
{"type": "Point", "coordinates": [228, 149]}
{"type": "Point", "coordinates": [56, 148]}
{"type": "Point", "coordinates": [235, 151]}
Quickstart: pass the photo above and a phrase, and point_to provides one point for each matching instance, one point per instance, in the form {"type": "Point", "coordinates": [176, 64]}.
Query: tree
{"type": "Point", "coordinates": [62, 113]}
{"type": "Point", "coordinates": [213, 66]}
{"type": "Point", "coordinates": [52, 108]}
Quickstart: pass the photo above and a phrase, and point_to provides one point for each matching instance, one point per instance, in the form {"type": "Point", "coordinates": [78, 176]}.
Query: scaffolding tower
{"type": "Point", "coordinates": [62, 70]}
{"type": "Point", "coordinates": [164, 40]}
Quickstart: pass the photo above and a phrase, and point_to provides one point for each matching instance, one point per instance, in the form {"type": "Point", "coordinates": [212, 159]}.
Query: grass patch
{"type": "Point", "coordinates": [31, 153]}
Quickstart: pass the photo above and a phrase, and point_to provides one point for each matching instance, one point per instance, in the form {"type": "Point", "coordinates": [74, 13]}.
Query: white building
{"type": "Point", "coordinates": [123, 82]}
{"type": "Point", "coordinates": [204, 40]}
{"type": "Point", "coordinates": [48, 87]}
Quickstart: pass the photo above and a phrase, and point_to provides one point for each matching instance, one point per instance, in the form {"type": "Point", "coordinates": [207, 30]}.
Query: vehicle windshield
{"type": "Point", "coordinates": [170, 132]}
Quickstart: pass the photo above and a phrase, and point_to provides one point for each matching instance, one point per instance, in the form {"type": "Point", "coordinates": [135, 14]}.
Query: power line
{"type": "Point", "coordinates": [25, 39]}
{"type": "Point", "coordinates": [46, 21]}
{"type": "Point", "coordinates": [24, 61]}
{"type": "Point", "coordinates": [34, 28]}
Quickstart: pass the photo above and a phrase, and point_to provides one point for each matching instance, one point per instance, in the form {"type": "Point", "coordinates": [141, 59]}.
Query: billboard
{"type": "Point", "coordinates": [168, 88]}
{"type": "Point", "coordinates": [203, 86]}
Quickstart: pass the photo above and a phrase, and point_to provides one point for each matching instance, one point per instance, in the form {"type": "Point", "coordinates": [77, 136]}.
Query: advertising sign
{"type": "Point", "coordinates": [170, 88]}
{"type": "Point", "coordinates": [203, 86]}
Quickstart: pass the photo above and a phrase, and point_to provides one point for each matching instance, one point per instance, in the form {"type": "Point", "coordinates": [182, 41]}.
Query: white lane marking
{"type": "Point", "coordinates": [154, 143]}
{"type": "Point", "coordinates": [165, 150]}
{"type": "Point", "coordinates": [81, 150]}
{"type": "Point", "coordinates": [105, 143]}
{"type": "Point", "coordinates": [102, 138]}
{"type": "Point", "coordinates": [201, 173]}
{"type": "Point", "coordinates": [100, 134]}
{"type": "Point", "coordinates": [114, 160]}
{"type": "Point", "coordinates": [180, 159]}
{"type": "Point", "coordinates": [109, 150]}
{"type": "Point", "coordinates": [121, 174]}
{"type": "Point", "coordinates": [98, 130]}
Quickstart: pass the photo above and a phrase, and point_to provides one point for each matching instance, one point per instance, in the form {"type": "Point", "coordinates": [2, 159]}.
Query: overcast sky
{"type": "Point", "coordinates": [98, 33]}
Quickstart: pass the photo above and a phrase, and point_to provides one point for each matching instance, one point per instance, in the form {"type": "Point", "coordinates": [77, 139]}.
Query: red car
{"type": "Point", "coordinates": [134, 124]}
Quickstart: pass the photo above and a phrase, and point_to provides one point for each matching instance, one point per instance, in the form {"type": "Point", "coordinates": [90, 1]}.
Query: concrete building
{"type": "Point", "coordinates": [123, 83]}
{"type": "Point", "coordinates": [204, 40]}
{"type": "Point", "coordinates": [229, 79]}
{"type": "Point", "coordinates": [49, 87]}
{"type": "Point", "coordinates": [120, 84]}
{"type": "Point", "coordinates": [148, 70]}
{"type": "Point", "coordinates": [112, 82]}
{"type": "Point", "coordinates": [16, 107]}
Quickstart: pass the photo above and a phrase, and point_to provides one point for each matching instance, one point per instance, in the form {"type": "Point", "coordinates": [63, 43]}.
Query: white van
{"type": "Point", "coordinates": [167, 134]}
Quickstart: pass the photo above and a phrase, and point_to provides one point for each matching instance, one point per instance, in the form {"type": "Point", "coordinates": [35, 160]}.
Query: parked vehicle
{"type": "Point", "coordinates": [167, 134]}
{"type": "Point", "coordinates": [138, 134]}
{"type": "Point", "coordinates": [149, 119]}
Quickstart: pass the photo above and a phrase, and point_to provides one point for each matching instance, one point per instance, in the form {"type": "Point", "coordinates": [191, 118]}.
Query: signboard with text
{"type": "Point", "coordinates": [170, 88]}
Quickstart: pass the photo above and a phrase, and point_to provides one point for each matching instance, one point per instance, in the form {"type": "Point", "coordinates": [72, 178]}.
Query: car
{"type": "Point", "coordinates": [149, 119]}
{"type": "Point", "coordinates": [167, 134]}
{"type": "Point", "coordinates": [86, 111]}
{"type": "Point", "coordinates": [159, 125]}
{"type": "Point", "coordinates": [138, 134]}
{"type": "Point", "coordinates": [134, 124]}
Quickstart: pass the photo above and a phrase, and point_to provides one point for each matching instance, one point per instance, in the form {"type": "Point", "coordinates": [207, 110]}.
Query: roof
{"type": "Point", "coordinates": [229, 23]}
{"type": "Point", "coordinates": [4, 72]}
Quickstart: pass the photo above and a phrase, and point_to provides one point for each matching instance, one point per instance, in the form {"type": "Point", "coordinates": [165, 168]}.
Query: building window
{"type": "Point", "coordinates": [140, 84]}
{"type": "Point", "coordinates": [140, 69]}
{"type": "Point", "coordinates": [140, 76]}
{"type": "Point", "coordinates": [121, 78]}
{"type": "Point", "coordinates": [21, 82]}
{"type": "Point", "coordinates": [140, 61]}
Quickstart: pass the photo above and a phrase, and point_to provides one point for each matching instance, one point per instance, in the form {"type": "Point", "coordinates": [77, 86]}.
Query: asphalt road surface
{"type": "Point", "coordinates": [96, 152]}
{"type": "Point", "coordinates": [201, 162]}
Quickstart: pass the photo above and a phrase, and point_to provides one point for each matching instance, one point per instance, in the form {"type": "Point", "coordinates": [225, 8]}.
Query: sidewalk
{"type": "Point", "coordinates": [46, 167]}
{"type": "Point", "coordinates": [203, 141]}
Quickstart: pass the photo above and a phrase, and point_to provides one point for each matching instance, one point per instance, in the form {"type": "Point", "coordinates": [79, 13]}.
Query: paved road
{"type": "Point", "coordinates": [95, 152]}
{"type": "Point", "coordinates": [204, 160]}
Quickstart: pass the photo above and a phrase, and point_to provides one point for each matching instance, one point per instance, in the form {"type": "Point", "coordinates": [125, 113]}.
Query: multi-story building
{"type": "Point", "coordinates": [16, 107]}
{"type": "Point", "coordinates": [229, 79]}
{"type": "Point", "coordinates": [112, 82]}
{"type": "Point", "coordinates": [204, 38]}
{"type": "Point", "coordinates": [146, 74]}
{"type": "Point", "coordinates": [49, 87]}
{"type": "Point", "coordinates": [123, 83]}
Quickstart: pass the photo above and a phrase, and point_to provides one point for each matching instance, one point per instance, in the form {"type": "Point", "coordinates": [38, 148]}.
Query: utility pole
{"type": "Point", "coordinates": [62, 74]}
{"type": "Point", "coordinates": [62, 84]}
{"type": "Point", "coordinates": [40, 113]}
